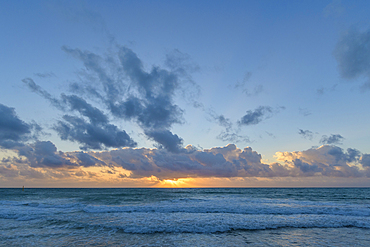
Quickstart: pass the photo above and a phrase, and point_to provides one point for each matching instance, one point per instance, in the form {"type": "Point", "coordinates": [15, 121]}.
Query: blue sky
{"type": "Point", "coordinates": [289, 79]}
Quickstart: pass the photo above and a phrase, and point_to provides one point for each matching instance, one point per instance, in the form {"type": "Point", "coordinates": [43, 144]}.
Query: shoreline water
{"type": "Point", "coordinates": [185, 217]}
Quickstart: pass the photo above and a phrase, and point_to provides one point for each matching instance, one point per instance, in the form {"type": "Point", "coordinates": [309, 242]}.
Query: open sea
{"type": "Point", "coordinates": [185, 217]}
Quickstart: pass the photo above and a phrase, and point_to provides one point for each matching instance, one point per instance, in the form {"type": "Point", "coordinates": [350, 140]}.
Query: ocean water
{"type": "Point", "coordinates": [185, 217]}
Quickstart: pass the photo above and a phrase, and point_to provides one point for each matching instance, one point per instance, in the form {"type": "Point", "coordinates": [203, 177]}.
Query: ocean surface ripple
{"type": "Point", "coordinates": [185, 217]}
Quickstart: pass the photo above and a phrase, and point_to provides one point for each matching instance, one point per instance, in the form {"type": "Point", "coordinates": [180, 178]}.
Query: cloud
{"type": "Point", "coordinates": [306, 168]}
{"type": "Point", "coordinates": [304, 111]}
{"type": "Point", "coordinates": [228, 161]}
{"type": "Point", "coordinates": [335, 8]}
{"type": "Point", "coordinates": [352, 53]}
{"type": "Point", "coordinates": [242, 86]}
{"type": "Point", "coordinates": [326, 160]}
{"type": "Point", "coordinates": [166, 139]}
{"type": "Point", "coordinates": [9, 171]}
{"type": "Point", "coordinates": [91, 128]}
{"type": "Point", "coordinates": [45, 75]}
{"type": "Point", "coordinates": [256, 116]}
{"type": "Point", "coordinates": [332, 139]}
{"type": "Point", "coordinates": [14, 131]}
{"type": "Point", "coordinates": [229, 134]}
{"type": "Point", "coordinates": [246, 78]}
{"type": "Point", "coordinates": [131, 93]}
{"type": "Point", "coordinates": [96, 133]}
{"type": "Point", "coordinates": [323, 90]}
{"type": "Point", "coordinates": [44, 154]}
{"type": "Point", "coordinates": [42, 160]}
{"type": "Point", "coordinates": [232, 137]}
{"type": "Point", "coordinates": [37, 89]}
{"type": "Point", "coordinates": [76, 103]}
{"type": "Point", "coordinates": [91, 135]}
{"type": "Point", "coordinates": [365, 160]}
{"type": "Point", "coordinates": [306, 134]}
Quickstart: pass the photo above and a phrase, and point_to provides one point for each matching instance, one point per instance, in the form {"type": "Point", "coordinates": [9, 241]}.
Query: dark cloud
{"type": "Point", "coordinates": [13, 131]}
{"type": "Point", "coordinates": [86, 160]}
{"type": "Point", "coordinates": [326, 160]}
{"type": "Point", "coordinates": [85, 109]}
{"type": "Point", "coordinates": [232, 137]}
{"type": "Point", "coordinates": [44, 154]}
{"type": "Point", "coordinates": [365, 160]}
{"type": "Point", "coordinates": [37, 89]}
{"type": "Point", "coordinates": [91, 135]}
{"type": "Point", "coordinates": [221, 120]}
{"type": "Point", "coordinates": [352, 155]}
{"type": "Point", "coordinates": [229, 134]}
{"type": "Point", "coordinates": [94, 133]}
{"type": "Point", "coordinates": [306, 168]}
{"type": "Point", "coordinates": [166, 139]}
{"type": "Point", "coordinates": [156, 89]}
{"type": "Point", "coordinates": [256, 116]}
{"type": "Point", "coordinates": [138, 95]}
{"type": "Point", "coordinates": [352, 53]}
{"type": "Point", "coordinates": [332, 139]}
{"type": "Point", "coordinates": [45, 75]}
{"type": "Point", "coordinates": [9, 171]}
{"type": "Point", "coordinates": [119, 82]}
{"type": "Point", "coordinates": [306, 134]}
{"type": "Point", "coordinates": [228, 161]}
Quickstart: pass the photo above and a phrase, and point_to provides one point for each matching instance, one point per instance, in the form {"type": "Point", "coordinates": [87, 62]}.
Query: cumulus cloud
{"type": "Point", "coordinates": [14, 131]}
{"type": "Point", "coordinates": [91, 128]}
{"type": "Point", "coordinates": [307, 134]}
{"type": "Point", "coordinates": [126, 90]}
{"type": "Point", "coordinates": [332, 139]}
{"type": "Point", "coordinates": [365, 160]}
{"type": "Point", "coordinates": [91, 135]}
{"type": "Point", "coordinates": [43, 154]}
{"type": "Point", "coordinates": [326, 160]}
{"type": "Point", "coordinates": [228, 161]}
{"type": "Point", "coordinates": [221, 162]}
{"type": "Point", "coordinates": [9, 171]}
{"type": "Point", "coordinates": [166, 139]}
{"type": "Point", "coordinates": [352, 53]}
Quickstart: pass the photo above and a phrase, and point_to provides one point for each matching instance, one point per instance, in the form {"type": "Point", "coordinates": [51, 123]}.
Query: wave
{"type": "Point", "coordinates": [273, 207]}
{"type": "Point", "coordinates": [143, 223]}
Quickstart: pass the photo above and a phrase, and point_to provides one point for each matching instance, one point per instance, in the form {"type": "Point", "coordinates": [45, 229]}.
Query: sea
{"type": "Point", "coordinates": [185, 217]}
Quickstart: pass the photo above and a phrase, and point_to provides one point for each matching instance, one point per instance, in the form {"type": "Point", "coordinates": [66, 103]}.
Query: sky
{"type": "Point", "coordinates": [184, 93]}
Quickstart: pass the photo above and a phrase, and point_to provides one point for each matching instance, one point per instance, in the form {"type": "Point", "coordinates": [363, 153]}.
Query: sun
{"type": "Point", "coordinates": [174, 183]}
